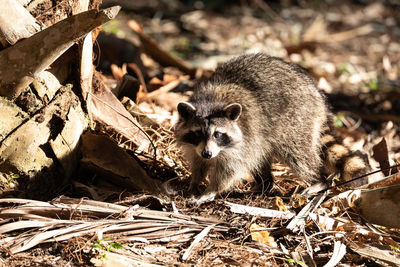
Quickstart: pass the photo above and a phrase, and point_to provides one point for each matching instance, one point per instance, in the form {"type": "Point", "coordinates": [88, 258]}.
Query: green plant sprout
{"type": "Point", "coordinates": [292, 261]}
{"type": "Point", "coordinates": [12, 177]}
{"type": "Point", "coordinates": [373, 85]}
{"type": "Point", "coordinates": [339, 120]}
{"type": "Point", "coordinates": [103, 247]}
{"type": "Point", "coordinates": [394, 248]}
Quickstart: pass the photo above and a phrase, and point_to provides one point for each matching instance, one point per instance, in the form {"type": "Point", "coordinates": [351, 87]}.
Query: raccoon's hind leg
{"type": "Point", "coordinates": [304, 161]}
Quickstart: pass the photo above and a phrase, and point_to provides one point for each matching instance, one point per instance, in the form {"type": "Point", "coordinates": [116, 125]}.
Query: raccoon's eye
{"type": "Point", "coordinates": [217, 135]}
{"type": "Point", "coordinates": [222, 139]}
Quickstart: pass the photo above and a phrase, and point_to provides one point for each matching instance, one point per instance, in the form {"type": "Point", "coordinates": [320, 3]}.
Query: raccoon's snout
{"type": "Point", "coordinates": [206, 154]}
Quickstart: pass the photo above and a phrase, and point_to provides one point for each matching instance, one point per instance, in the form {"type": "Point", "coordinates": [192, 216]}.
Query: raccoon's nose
{"type": "Point", "coordinates": [206, 154]}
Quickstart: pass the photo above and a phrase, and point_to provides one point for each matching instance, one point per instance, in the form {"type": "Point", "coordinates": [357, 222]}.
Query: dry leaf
{"type": "Point", "coordinates": [262, 236]}
{"type": "Point", "coordinates": [381, 155]}
{"type": "Point", "coordinates": [278, 204]}
{"type": "Point", "coordinates": [298, 201]}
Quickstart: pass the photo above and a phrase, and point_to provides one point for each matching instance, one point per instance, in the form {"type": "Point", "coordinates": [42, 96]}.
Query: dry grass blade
{"type": "Point", "coordinates": [300, 219]}
{"type": "Point", "coordinates": [47, 222]}
{"type": "Point", "coordinates": [339, 250]}
{"type": "Point", "coordinates": [91, 203]}
{"type": "Point", "coordinates": [197, 240]}
{"type": "Point", "coordinates": [22, 243]}
{"type": "Point", "coordinates": [113, 259]}
{"type": "Point", "coordinates": [242, 209]}
{"type": "Point", "coordinates": [19, 201]}
{"type": "Point", "coordinates": [22, 225]}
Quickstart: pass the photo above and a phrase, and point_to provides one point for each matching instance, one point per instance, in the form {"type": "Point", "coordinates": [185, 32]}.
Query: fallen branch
{"type": "Point", "coordinates": [345, 35]}
{"type": "Point", "coordinates": [151, 48]}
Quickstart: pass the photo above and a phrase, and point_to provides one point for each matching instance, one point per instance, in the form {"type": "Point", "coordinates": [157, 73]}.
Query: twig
{"type": "Point", "coordinates": [151, 48]}
{"type": "Point", "coordinates": [163, 89]}
{"type": "Point", "coordinates": [345, 35]}
{"type": "Point", "coordinates": [374, 117]}
{"type": "Point", "coordinates": [268, 10]}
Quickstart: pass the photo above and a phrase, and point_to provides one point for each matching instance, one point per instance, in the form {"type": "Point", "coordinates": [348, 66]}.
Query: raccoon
{"type": "Point", "coordinates": [253, 109]}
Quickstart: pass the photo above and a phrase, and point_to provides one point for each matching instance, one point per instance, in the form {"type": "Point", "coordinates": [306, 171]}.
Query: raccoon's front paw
{"type": "Point", "coordinates": [168, 190]}
{"type": "Point", "coordinates": [208, 197]}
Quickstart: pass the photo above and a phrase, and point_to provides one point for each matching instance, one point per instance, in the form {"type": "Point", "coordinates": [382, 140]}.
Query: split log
{"type": "Point", "coordinates": [20, 63]}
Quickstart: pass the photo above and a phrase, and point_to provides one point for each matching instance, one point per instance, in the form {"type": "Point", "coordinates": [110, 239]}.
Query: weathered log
{"type": "Point", "coordinates": [20, 63]}
{"type": "Point", "coordinates": [10, 117]}
{"type": "Point", "coordinates": [44, 149]}
{"type": "Point", "coordinates": [15, 23]}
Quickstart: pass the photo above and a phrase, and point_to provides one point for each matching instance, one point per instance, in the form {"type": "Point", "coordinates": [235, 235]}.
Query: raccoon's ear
{"type": "Point", "coordinates": [186, 109]}
{"type": "Point", "coordinates": [233, 111]}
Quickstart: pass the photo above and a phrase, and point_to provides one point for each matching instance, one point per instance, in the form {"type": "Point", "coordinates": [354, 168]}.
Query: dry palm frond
{"type": "Point", "coordinates": [65, 218]}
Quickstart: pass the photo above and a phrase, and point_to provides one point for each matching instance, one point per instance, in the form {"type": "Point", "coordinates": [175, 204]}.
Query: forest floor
{"type": "Point", "coordinates": [352, 50]}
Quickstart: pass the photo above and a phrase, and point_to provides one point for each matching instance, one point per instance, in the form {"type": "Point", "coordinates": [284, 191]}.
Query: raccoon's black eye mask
{"type": "Point", "coordinates": [222, 139]}
{"type": "Point", "coordinates": [193, 137]}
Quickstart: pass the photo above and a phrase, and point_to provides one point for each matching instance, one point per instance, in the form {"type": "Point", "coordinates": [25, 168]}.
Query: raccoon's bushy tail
{"type": "Point", "coordinates": [337, 157]}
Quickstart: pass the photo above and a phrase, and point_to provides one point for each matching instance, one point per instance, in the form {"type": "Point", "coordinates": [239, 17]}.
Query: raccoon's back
{"type": "Point", "coordinates": [264, 75]}
{"type": "Point", "coordinates": [275, 85]}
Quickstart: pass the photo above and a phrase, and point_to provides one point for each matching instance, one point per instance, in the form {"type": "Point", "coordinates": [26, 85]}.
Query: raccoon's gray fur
{"type": "Point", "coordinates": [253, 109]}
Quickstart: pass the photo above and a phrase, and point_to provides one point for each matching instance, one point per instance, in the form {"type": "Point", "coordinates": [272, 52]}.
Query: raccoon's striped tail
{"type": "Point", "coordinates": [337, 157]}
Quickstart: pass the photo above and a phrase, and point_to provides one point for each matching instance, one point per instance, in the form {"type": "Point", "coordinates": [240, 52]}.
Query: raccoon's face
{"type": "Point", "coordinates": [209, 132]}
